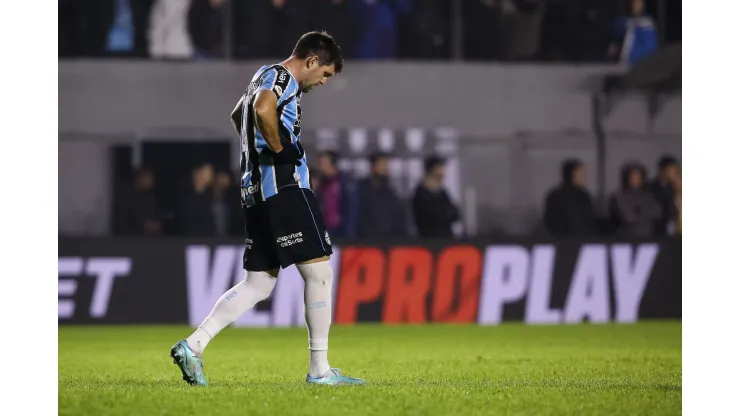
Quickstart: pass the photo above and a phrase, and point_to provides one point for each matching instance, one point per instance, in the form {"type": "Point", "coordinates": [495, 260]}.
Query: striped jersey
{"type": "Point", "coordinates": [261, 178]}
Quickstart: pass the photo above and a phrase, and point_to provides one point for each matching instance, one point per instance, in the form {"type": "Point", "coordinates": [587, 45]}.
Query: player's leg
{"type": "Point", "coordinates": [256, 287]}
{"type": "Point", "coordinates": [318, 279]}
{"type": "Point", "coordinates": [261, 273]}
{"type": "Point", "coordinates": [188, 353]}
{"type": "Point", "coordinates": [303, 241]}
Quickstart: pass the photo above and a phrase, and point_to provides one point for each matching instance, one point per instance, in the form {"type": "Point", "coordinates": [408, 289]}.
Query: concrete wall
{"type": "Point", "coordinates": [84, 187]}
{"type": "Point", "coordinates": [475, 99]}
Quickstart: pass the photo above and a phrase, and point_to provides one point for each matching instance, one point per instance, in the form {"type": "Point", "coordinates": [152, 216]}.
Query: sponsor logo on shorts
{"type": "Point", "coordinates": [326, 237]}
{"type": "Point", "coordinates": [290, 239]}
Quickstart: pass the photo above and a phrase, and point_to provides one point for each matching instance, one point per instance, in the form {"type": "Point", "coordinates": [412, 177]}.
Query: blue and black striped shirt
{"type": "Point", "coordinates": [261, 178]}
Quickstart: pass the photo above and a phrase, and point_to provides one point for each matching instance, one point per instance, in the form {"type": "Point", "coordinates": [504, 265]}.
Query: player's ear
{"type": "Point", "coordinates": [311, 61]}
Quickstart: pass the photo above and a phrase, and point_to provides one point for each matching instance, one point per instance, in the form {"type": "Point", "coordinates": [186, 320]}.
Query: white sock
{"type": "Point", "coordinates": [317, 297]}
{"type": "Point", "coordinates": [255, 287]}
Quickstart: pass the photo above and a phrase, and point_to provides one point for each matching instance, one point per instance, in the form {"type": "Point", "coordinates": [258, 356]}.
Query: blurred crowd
{"type": "Point", "coordinates": [509, 30]}
{"type": "Point", "coordinates": [208, 203]}
{"type": "Point", "coordinates": [641, 207]}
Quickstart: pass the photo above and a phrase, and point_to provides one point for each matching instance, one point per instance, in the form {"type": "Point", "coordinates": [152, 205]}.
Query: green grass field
{"type": "Point", "coordinates": [411, 370]}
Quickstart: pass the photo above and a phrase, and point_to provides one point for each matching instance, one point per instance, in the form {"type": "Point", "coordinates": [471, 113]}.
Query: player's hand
{"type": "Point", "coordinates": [290, 155]}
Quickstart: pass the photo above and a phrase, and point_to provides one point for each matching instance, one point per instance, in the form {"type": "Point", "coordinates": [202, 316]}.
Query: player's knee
{"type": "Point", "coordinates": [262, 283]}
{"type": "Point", "coordinates": [316, 272]}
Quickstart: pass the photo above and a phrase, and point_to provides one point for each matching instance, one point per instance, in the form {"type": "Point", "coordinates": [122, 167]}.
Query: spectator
{"type": "Point", "coordinates": [83, 27]}
{"type": "Point", "coordinates": [137, 211]}
{"type": "Point", "coordinates": [315, 179]}
{"type": "Point", "coordinates": [338, 198]}
{"type": "Point", "coordinates": [269, 28]}
{"type": "Point", "coordinates": [424, 32]}
{"type": "Point", "coordinates": [434, 212]}
{"type": "Point", "coordinates": [196, 210]}
{"type": "Point", "coordinates": [227, 211]}
{"type": "Point", "coordinates": [636, 33]}
{"type": "Point", "coordinates": [168, 34]}
{"type": "Point", "coordinates": [482, 27]}
{"type": "Point", "coordinates": [633, 209]}
{"type": "Point", "coordinates": [590, 30]}
{"type": "Point", "coordinates": [521, 27]}
{"type": "Point", "coordinates": [663, 188]}
{"type": "Point", "coordinates": [677, 189]}
{"type": "Point", "coordinates": [569, 209]}
{"type": "Point", "coordinates": [335, 17]}
{"type": "Point", "coordinates": [126, 23]}
{"type": "Point", "coordinates": [121, 34]}
{"type": "Point", "coordinates": [205, 25]}
{"type": "Point", "coordinates": [379, 207]}
{"type": "Point", "coordinates": [378, 22]}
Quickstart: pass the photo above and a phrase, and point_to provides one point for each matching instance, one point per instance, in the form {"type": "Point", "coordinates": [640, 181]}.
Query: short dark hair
{"type": "Point", "coordinates": [567, 168]}
{"type": "Point", "coordinates": [321, 45]}
{"type": "Point", "coordinates": [200, 164]}
{"type": "Point", "coordinates": [432, 162]}
{"type": "Point", "coordinates": [666, 161]}
{"type": "Point", "coordinates": [332, 155]}
{"type": "Point", "coordinates": [378, 156]}
{"type": "Point", "coordinates": [630, 167]}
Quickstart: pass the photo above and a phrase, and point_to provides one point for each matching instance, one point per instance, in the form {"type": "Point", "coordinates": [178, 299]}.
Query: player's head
{"type": "Point", "coordinates": [223, 180]}
{"type": "Point", "coordinates": [435, 168]}
{"type": "Point", "coordinates": [633, 176]}
{"type": "Point", "coordinates": [203, 174]}
{"type": "Point", "coordinates": [144, 179]}
{"type": "Point", "coordinates": [668, 169]}
{"type": "Point", "coordinates": [328, 163]}
{"type": "Point", "coordinates": [637, 7]}
{"type": "Point", "coordinates": [379, 164]}
{"type": "Point", "coordinates": [319, 56]}
{"type": "Point", "coordinates": [574, 173]}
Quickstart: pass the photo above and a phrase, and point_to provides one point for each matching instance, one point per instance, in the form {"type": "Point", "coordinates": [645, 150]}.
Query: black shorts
{"type": "Point", "coordinates": [287, 228]}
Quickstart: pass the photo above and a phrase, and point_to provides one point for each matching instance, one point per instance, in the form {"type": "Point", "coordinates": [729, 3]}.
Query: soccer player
{"type": "Point", "coordinates": [284, 224]}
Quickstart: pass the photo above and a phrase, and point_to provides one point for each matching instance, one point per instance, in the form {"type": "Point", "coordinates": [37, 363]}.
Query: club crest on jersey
{"type": "Point", "coordinates": [326, 237]}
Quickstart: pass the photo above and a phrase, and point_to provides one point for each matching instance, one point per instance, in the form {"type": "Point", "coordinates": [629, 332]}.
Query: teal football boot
{"type": "Point", "coordinates": [334, 378]}
{"type": "Point", "coordinates": [190, 364]}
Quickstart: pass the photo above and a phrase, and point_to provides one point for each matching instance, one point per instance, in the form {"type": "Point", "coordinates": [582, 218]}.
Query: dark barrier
{"type": "Point", "coordinates": [116, 281]}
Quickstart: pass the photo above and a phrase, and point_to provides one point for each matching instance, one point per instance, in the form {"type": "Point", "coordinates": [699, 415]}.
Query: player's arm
{"type": "Point", "coordinates": [265, 114]}
{"type": "Point", "coordinates": [236, 116]}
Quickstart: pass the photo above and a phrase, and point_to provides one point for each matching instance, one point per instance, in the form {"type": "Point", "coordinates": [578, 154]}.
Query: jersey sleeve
{"type": "Point", "coordinates": [276, 80]}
